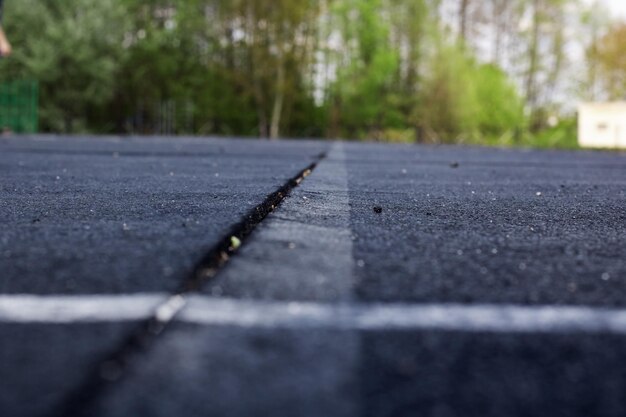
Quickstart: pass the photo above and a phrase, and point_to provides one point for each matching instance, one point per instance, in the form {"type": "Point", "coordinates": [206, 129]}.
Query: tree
{"type": "Point", "coordinates": [593, 23]}
{"type": "Point", "coordinates": [545, 55]}
{"type": "Point", "coordinates": [609, 54]}
{"type": "Point", "coordinates": [449, 70]}
{"type": "Point", "coordinates": [362, 92]}
{"type": "Point", "coordinates": [73, 48]}
{"type": "Point", "coordinates": [277, 41]}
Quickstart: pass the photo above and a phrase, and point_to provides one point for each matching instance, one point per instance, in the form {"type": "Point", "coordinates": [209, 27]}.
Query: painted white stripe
{"type": "Point", "coordinates": [79, 308]}
{"type": "Point", "coordinates": [451, 317]}
{"type": "Point", "coordinates": [246, 313]}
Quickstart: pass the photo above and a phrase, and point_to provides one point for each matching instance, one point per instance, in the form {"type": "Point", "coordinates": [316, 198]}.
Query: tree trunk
{"type": "Point", "coordinates": [498, 9]}
{"type": "Point", "coordinates": [278, 101]}
{"type": "Point", "coordinates": [254, 67]}
{"type": "Point", "coordinates": [533, 58]}
{"type": "Point", "coordinates": [463, 19]}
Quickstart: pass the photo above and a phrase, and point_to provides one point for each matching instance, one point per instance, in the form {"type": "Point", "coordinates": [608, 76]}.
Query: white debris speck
{"type": "Point", "coordinates": [538, 193]}
{"type": "Point", "coordinates": [217, 175]}
{"type": "Point", "coordinates": [606, 276]}
{"type": "Point", "coordinates": [291, 245]}
{"type": "Point", "coordinates": [522, 266]}
{"type": "Point", "coordinates": [494, 251]}
{"type": "Point", "coordinates": [125, 227]}
{"type": "Point", "coordinates": [58, 178]}
{"type": "Point", "coordinates": [167, 311]}
{"type": "Point", "coordinates": [360, 263]}
{"type": "Point", "coordinates": [404, 171]}
{"type": "Point", "coordinates": [171, 174]}
{"type": "Point", "coordinates": [459, 252]}
{"type": "Point", "coordinates": [235, 242]}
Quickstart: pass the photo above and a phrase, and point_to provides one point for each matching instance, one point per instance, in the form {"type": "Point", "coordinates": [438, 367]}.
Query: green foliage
{"type": "Point", "coordinates": [363, 97]}
{"type": "Point", "coordinates": [389, 70]}
{"type": "Point", "coordinates": [73, 48]}
{"type": "Point", "coordinates": [468, 102]}
{"type": "Point", "coordinates": [609, 55]}
{"type": "Point", "coordinates": [500, 108]}
{"type": "Point", "coordinates": [450, 106]}
{"type": "Point", "coordinates": [563, 135]}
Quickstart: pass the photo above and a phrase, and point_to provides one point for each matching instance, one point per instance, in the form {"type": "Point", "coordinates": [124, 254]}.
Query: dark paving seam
{"type": "Point", "coordinates": [114, 366]}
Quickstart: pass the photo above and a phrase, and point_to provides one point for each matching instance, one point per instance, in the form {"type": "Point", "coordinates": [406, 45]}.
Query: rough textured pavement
{"type": "Point", "coordinates": [394, 280]}
{"type": "Point", "coordinates": [122, 216]}
{"type": "Point", "coordinates": [112, 216]}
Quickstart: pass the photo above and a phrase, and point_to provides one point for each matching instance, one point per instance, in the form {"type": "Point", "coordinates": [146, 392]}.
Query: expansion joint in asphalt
{"type": "Point", "coordinates": [115, 365]}
{"type": "Point", "coordinates": [221, 253]}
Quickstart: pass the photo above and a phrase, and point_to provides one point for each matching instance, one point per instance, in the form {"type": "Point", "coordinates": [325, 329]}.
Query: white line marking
{"type": "Point", "coordinates": [247, 313]}
{"type": "Point", "coordinates": [79, 308]}
{"type": "Point", "coordinates": [450, 317]}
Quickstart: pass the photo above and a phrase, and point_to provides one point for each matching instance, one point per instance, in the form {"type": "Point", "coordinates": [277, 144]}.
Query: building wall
{"type": "Point", "coordinates": [602, 125]}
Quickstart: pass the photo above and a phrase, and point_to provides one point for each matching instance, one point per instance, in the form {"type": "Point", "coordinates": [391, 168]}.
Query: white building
{"type": "Point", "coordinates": [602, 125]}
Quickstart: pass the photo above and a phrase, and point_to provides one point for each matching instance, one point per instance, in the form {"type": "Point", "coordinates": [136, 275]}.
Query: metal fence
{"type": "Point", "coordinates": [19, 104]}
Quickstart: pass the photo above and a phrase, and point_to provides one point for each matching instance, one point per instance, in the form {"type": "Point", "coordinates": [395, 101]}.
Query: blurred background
{"type": "Point", "coordinates": [494, 72]}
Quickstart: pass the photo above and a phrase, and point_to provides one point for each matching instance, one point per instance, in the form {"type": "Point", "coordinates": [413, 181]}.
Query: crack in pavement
{"type": "Point", "coordinates": [304, 251]}
{"type": "Point", "coordinates": [115, 365]}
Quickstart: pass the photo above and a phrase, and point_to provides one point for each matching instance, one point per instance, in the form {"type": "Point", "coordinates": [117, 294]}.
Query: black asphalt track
{"type": "Point", "coordinates": [99, 216]}
{"type": "Point", "coordinates": [113, 216]}
{"type": "Point", "coordinates": [488, 226]}
{"type": "Point", "coordinates": [372, 225]}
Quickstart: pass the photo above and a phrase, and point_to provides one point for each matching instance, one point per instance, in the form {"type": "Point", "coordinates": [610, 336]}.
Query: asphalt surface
{"type": "Point", "coordinates": [324, 310]}
{"type": "Point", "coordinates": [526, 227]}
{"type": "Point", "coordinates": [111, 216]}
{"type": "Point", "coordinates": [122, 216]}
